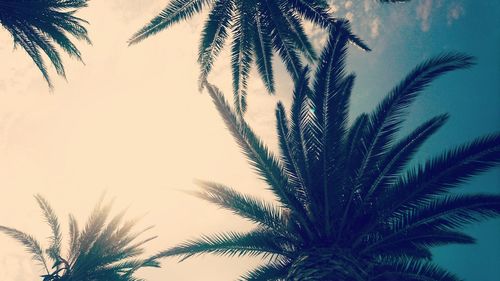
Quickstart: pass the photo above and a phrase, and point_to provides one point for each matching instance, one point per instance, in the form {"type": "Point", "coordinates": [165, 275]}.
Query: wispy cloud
{"type": "Point", "coordinates": [427, 10]}
{"type": "Point", "coordinates": [367, 6]}
{"type": "Point", "coordinates": [455, 12]}
{"type": "Point", "coordinates": [424, 11]}
{"type": "Point", "coordinates": [130, 10]}
{"type": "Point", "coordinates": [349, 16]}
{"type": "Point", "coordinates": [375, 28]}
{"type": "Point", "coordinates": [348, 4]}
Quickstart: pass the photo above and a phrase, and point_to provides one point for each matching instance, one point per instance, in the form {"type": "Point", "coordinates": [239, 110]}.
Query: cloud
{"type": "Point", "coordinates": [130, 10]}
{"type": "Point", "coordinates": [375, 28]}
{"type": "Point", "coordinates": [349, 16]}
{"type": "Point", "coordinates": [367, 6]}
{"type": "Point", "coordinates": [424, 10]}
{"type": "Point", "coordinates": [455, 12]}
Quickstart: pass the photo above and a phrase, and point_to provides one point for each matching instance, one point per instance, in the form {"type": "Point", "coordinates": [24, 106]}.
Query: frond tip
{"type": "Point", "coordinates": [175, 11]}
{"type": "Point", "coordinates": [42, 26]}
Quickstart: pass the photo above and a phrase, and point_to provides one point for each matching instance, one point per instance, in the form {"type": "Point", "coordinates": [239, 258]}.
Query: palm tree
{"type": "Point", "coordinates": [40, 25]}
{"type": "Point", "coordinates": [348, 206]}
{"type": "Point", "coordinates": [100, 251]}
{"type": "Point", "coordinates": [258, 27]}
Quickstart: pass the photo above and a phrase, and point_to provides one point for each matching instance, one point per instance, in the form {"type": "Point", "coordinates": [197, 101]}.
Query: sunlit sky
{"type": "Point", "coordinates": [131, 122]}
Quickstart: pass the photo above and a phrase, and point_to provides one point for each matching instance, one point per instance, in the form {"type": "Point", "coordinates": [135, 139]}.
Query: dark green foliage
{"type": "Point", "coordinates": [105, 249]}
{"type": "Point", "coordinates": [39, 26]}
{"type": "Point", "coordinates": [259, 28]}
{"type": "Point", "coordinates": [349, 207]}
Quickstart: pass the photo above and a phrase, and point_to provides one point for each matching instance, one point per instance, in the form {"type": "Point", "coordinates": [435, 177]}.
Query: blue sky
{"type": "Point", "coordinates": [411, 33]}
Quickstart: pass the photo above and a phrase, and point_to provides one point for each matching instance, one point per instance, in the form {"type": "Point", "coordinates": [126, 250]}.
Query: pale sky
{"type": "Point", "coordinates": [131, 122]}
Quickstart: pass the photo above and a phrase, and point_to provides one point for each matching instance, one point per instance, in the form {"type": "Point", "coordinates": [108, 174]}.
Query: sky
{"type": "Point", "coordinates": [132, 123]}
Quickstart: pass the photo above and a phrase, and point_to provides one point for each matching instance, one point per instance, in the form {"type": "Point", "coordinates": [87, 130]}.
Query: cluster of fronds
{"type": "Point", "coordinates": [101, 250]}
{"type": "Point", "coordinates": [346, 195]}
{"type": "Point", "coordinates": [258, 28]}
{"type": "Point", "coordinates": [39, 26]}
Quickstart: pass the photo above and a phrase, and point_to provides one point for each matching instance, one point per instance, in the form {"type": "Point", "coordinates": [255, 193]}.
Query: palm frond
{"type": "Point", "coordinates": [296, 30]}
{"type": "Point", "coordinates": [390, 167]}
{"type": "Point", "coordinates": [400, 153]}
{"type": "Point", "coordinates": [54, 250]}
{"type": "Point", "coordinates": [102, 251]}
{"type": "Point", "coordinates": [31, 245]}
{"type": "Point", "coordinates": [263, 51]}
{"type": "Point", "coordinates": [214, 36]}
{"type": "Point", "coordinates": [258, 211]}
{"type": "Point", "coordinates": [330, 98]}
{"type": "Point", "coordinates": [272, 271]}
{"type": "Point", "coordinates": [412, 270]}
{"type": "Point", "coordinates": [254, 243]}
{"type": "Point", "coordinates": [241, 53]}
{"type": "Point", "coordinates": [386, 120]}
{"type": "Point", "coordinates": [314, 11]}
{"type": "Point", "coordinates": [436, 220]}
{"type": "Point", "coordinates": [74, 239]}
{"type": "Point", "coordinates": [259, 156]}
{"type": "Point", "coordinates": [288, 149]}
{"type": "Point", "coordinates": [422, 238]}
{"type": "Point", "coordinates": [444, 172]}
{"type": "Point", "coordinates": [450, 212]}
{"type": "Point", "coordinates": [41, 26]}
{"type": "Point", "coordinates": [299, 119]}
{"type": "Point", "coordinates": [176, 10]}
{"type": "Point", "coordinates": [352, 148]}
{"type": "Point", "coordinates": [281, 41]}
{"type": "Point", "coordinates": [94, 226]}
{"type": "Point", "coordinates": [330, 102]}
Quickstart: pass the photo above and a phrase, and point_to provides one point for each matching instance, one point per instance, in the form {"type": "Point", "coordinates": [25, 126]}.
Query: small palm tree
{"type": "Point", "coordinates": [348, 207]}
{"type": "Point", "coordinates": [100, 251]}
{"type": "Point", "coordinates": [41, 25]}
{"type": "Point", "coordinates": [258, 27]}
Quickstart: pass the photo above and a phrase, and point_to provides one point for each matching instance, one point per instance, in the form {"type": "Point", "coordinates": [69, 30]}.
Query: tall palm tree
{"type": "Point", "coordinates": [100, 251]}
{"type": "Point", "coordinates": [348, 206]}
{"type": "Point", "coordinates": [258, 27]}
{"type": "Point", "coordinates": [39, 26]}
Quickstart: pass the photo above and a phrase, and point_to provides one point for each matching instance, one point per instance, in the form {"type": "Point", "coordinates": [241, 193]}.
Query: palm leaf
{"type": "Point", "coordinates": [263, 51]}
{"type": "Point", "coordinates": [41, 26]}
{"type": "Point", "coordinates": [297, 33]}
{"type": "Point", "coordinates": [31, 245]}
{"type": "Point", "coordinates": [54, 250]}
{"type": "Point", "coordinates": [74, 238]}
{"type": "Point", "coordinates": [214, 36]}
{"type": "Point", "coordinates": [274, 270]}
{"type": "Point", "coordinates": [281, 41]}
{"type": "Point", "coordinates": [400, 153]}
{"type": "Point", "coordinates": [241, 54]}
{"type": "Point", "coordinates": [444, 172]}
{"type": "Point", "coordinates": [412, 270]}
{"type": "Point", "coordinates": [259, 156]}
{"type": "Point", "coordinates": [254, 243]}
{"type": "Point", "coordinates": [175, 11]}
{"type": "Point", "coordinates": [386, 120]}
{"type": "Point", "coordinates": [257, 211]}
